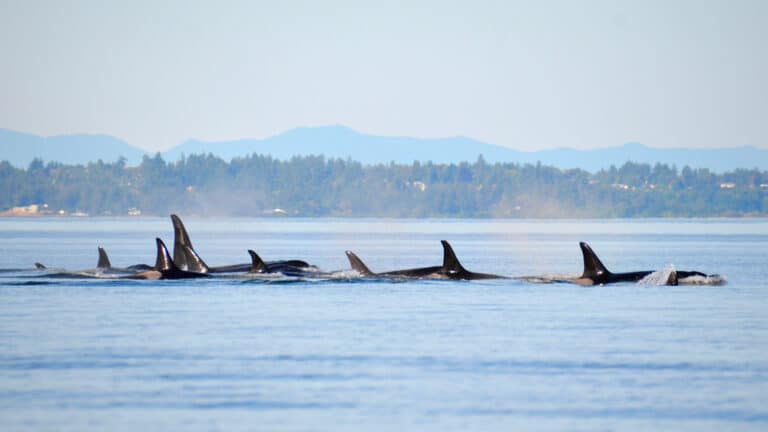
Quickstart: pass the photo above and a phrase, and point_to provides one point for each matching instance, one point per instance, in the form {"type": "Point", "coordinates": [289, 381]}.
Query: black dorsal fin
{"type": "Point", "coordinates": [194, 262]}
{"type": "Point", "coordinates": [163, 262]}
{"type": "Point", "coordinates": [257, 264]}
{"type": "Point", "coordinates": [358, 265]}
{"type": "Point", "coordinates": [593, 267]}
{"type": "Point", "coordinates": [40, 266]}
{"type": "Point", "coordinates": [451, 264]}
{"type": "Point", "coordinates": [180, 240]}
{"type": "Point", "coordinates": [103, 259]}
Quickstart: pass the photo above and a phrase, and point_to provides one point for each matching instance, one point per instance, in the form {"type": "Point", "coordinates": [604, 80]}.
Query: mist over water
{"type": "Point", "coordinates": [286, 354]}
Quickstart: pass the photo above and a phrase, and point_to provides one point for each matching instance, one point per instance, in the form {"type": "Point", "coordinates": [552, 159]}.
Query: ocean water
{"type": "Point", "coordinates": [351, 354]}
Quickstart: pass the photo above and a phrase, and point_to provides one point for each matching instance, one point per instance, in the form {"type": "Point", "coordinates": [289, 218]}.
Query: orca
{"type": "Point", "coordinates": [291, 267]}
{"type": "Point", "coordinates": [102, 265]}
{"type": "Point", "coordinates": [258, 266]}
{"type": "Point", "coordinates": [454, 270]}
{"type": "Point", "coordinates": [105, 264]}
{"type": "Point", "coordinates": [188, 259]}
{"type": "Point", "coordinates": [359, 266]}
{"type": "Point", "coordinates": [595, 272]}
{"type": "Point", "coordinates": [451, 268]}
{"type": "Point", "coordinates": [165, 267]}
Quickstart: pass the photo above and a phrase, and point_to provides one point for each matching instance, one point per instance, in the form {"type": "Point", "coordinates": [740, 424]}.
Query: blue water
{"type": "Point", "coordinates": [351, 355]}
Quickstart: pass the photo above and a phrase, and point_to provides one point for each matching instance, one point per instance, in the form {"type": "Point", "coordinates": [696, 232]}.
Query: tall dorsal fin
{"type": "Point", "coordinates": [103, 259]}
{"type": "Point", "coordinates": [592, 265]}
{"type": "Point", "coordinates": [163, 262]}
{"type": "Point", "coordinates": [451, 264]}
{"type": "Point", "coordinates": [358, 265]}
{"type": "Point", "coordinates": [180, 239]}
{"type": "Point", "coordinates": [194, 262]}
{"type": "Point", "coordinates": [257, 264]}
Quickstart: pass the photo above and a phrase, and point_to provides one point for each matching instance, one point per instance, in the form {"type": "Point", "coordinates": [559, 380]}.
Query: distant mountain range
{"type": "Point", "coordinates": [20, 148]}
{"type": "Point", "coordinates": [341, 142]}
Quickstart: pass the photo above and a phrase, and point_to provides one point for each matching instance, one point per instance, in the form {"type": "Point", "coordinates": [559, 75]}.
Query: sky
{"type": "Point", "coordinates": [527, 75]}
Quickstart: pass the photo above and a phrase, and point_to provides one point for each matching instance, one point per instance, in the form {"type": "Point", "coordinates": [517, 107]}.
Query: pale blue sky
{"type": "Point", "coordinates": [527, 75]}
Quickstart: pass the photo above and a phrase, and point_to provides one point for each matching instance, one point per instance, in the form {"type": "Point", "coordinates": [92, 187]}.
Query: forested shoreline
{"type": "Point", "coordinates": [315, 186]}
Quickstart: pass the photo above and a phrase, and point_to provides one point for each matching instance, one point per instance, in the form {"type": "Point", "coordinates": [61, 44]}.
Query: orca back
{"type": "Point", "coordinates": [290, 263]}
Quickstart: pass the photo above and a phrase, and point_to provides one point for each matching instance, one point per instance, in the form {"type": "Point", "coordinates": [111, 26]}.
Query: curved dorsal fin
{"type": "Point", "coordinates": [451, 264]}
{"type": "Point", "coordinates": [193, 261]}
{"type": "Point", "coordinates": [40, 266]}
{"type": "Point", "coordinates": [103, 259]}
{"type": "Point", "coordinates": [257, 264]}
{"type": "Point", "coordinates": [357, 264]}
{"type": "Point", "coordinates": [163, 261]}
{"type": "Point", "coordinates": [593, 267]}
{"type": "Point", "coordinates": [180, 239]}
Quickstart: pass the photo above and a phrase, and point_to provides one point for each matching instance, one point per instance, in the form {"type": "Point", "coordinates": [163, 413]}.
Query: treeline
{"type": "Point", "coordinates": [315, 186]}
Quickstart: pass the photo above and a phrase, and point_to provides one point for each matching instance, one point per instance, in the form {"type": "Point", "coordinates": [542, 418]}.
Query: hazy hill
{"type": "Point", "coordinates": [20, 148]}
{"type": "Point", "coordinates": [342, 142]}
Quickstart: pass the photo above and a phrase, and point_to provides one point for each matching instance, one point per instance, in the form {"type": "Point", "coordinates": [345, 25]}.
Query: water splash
{"type": "Point", "coordinates": [669, 276]}
{"type": "Point", "coordinates": [713, 280]}
{"type": "Point", "coordinates": [665, 276]}
{"type": "Point", "coordinates": [345, 274]}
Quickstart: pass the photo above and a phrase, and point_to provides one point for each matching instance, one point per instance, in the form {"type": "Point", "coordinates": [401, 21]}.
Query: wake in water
{"type": "Point", "coordinates": [670, 276]}
{"type": "Point", "coordinates": [703, 280]}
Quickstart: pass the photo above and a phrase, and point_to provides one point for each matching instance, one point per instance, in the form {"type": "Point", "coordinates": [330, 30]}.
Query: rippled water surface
{"type": "Point", "coordinates": [351, 354]}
